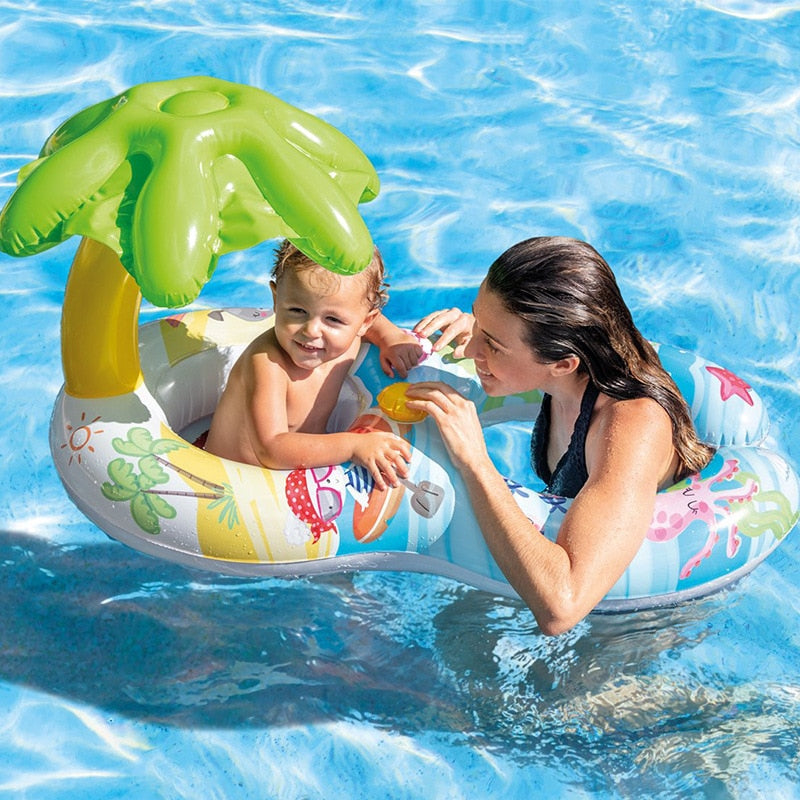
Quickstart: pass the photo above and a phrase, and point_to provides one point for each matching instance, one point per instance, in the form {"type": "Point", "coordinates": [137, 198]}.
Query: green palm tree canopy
{"type": "Point", "coordinates": [173, 174]}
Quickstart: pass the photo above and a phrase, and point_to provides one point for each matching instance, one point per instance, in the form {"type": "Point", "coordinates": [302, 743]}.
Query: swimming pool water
{"type": "Point", "coordinates": [667, 133]}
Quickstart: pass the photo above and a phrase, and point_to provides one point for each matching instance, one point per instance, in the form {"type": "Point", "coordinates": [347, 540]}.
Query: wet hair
{"type": "Point", "coordinates": [376, 289]}
{"type": "Point", "coordinates": [569, 299]}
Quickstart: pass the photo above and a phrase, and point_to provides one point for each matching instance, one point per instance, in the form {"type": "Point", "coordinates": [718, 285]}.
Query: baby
{"type": "Point", "coordinates": [282, 389]}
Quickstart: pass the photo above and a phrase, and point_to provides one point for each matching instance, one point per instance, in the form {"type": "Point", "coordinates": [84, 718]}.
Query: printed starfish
{"type": "Point", "coordinates": [731, 384]}
{"type": "Point", "coordinates": [171, 175]}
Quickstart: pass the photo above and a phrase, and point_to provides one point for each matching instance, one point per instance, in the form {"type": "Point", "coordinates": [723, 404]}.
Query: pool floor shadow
{"type": "Point", "coordinates": [114, 629]}
{"type": "Point", "coordinates": [108, 627]}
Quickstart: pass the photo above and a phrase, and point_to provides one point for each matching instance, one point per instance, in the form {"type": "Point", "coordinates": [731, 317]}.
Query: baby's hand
{"type": "Point", "coordinates": [385, 455]}
{"type": "Point", "coordinates": [401, 356]}
{"type": "Point", "coordinates": [400, 349]}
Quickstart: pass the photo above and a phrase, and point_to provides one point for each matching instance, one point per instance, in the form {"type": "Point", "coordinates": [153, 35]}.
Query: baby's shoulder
{"type": "Point", "coordinates": [262, 357]}
{"type": "Point", "coordinates": [265, 342]}
{"type": "Point", "coordinates": [264, 350]}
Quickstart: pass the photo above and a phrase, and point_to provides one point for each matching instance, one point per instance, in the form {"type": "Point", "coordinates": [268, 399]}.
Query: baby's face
{"type": "Point", "coordinates": [318, 315]}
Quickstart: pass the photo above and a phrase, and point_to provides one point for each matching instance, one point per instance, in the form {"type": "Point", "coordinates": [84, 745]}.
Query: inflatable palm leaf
{"type": "Point", "coordinates": [171, 175]}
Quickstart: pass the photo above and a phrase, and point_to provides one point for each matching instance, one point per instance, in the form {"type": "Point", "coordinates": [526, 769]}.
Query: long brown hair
{"type": "Point", "coordinates": [572, 306]}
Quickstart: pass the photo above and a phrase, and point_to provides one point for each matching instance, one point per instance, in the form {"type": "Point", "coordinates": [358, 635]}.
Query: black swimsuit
{"type": "Point", "coordinates": [570, 473]}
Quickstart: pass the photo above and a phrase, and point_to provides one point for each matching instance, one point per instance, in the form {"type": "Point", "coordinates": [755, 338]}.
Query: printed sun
{"type": "Point", "coordinates": [79, 439]}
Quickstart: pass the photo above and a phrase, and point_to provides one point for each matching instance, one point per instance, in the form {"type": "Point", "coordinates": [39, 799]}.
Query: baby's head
{"type": "Point", "coordinates": [288, 257]}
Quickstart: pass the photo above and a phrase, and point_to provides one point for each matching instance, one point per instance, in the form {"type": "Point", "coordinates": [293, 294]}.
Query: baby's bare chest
{"type": "Point", "coordinates": [310, 402]}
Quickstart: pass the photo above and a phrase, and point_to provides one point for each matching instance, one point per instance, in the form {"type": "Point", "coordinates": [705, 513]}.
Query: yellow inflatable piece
{"type": "Point", "coordinates": [392, 401]}
{"type": "Point", "coordinates": [99, 325]}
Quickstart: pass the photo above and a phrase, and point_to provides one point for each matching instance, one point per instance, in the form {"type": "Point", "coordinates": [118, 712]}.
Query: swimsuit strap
{"type": "Point", "coordinates": [570, 474]}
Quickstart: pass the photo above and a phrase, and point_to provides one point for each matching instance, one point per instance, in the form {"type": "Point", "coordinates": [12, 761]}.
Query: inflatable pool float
{"type": "Point", "coordinates": [163, 179]}
{"type": "Point", "coordinates": [127, 466]}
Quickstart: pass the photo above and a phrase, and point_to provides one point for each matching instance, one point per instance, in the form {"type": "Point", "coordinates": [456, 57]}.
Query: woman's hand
{"type": "Point", "coordinates": [455, 325]}
{"type": "Point", "coordinates": [456, 418]}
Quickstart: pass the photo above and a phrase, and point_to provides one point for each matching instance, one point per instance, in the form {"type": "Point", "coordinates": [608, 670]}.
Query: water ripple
{"type": "Point", "coordinates": [665, 133]}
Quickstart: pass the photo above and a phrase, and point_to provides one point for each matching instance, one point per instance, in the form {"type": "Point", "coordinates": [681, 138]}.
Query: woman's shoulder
{"type": "Point", "coordinates": [628, 435]}
{"type": "Point", "coordinates": [610, 411]}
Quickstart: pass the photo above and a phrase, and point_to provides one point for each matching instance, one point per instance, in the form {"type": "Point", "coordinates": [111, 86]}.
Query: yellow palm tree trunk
{"type": "Point", "coordinates": [99, 325]}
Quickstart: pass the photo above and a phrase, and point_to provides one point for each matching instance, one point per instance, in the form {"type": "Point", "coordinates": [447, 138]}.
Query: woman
{"type": "Point", "coordinates": [613, 428]}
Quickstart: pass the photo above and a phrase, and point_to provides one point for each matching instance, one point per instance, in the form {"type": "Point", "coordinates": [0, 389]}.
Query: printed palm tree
{"type": "Point", "coordinates": [163, 179]}
{"type": "Point", "coordinates": [143, 490]}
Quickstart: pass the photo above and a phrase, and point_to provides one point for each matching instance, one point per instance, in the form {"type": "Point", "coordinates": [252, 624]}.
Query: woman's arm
{"type": "Point", "coordinates": [560, 581]}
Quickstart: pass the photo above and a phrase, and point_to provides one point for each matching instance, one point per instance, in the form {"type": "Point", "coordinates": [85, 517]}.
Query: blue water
{"type": "Point", "coordinates": [665, 133]}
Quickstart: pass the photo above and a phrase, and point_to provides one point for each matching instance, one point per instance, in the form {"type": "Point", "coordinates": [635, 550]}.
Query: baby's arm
{"type": "Point", "coordinates": [276, 447]}
{"type": "Point", "coordinates": [399, 349]}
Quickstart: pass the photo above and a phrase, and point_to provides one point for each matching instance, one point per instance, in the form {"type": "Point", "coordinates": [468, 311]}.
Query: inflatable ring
{"type": "Point", "coordinates": [128, 463]}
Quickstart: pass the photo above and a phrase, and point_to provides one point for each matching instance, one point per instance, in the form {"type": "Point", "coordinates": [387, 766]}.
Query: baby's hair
{"type": "Point", "coordinates": [376, 287]}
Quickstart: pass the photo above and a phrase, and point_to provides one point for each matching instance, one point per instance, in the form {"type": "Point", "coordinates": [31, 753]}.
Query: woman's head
{"type": "Point", "coordinates": [570, 302]}
{"type": "Point", "coordinates": [568, 298]}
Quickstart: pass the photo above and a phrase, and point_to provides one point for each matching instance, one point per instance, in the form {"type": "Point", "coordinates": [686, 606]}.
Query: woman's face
{"type": "Point", "coordinates": [505, 362]}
